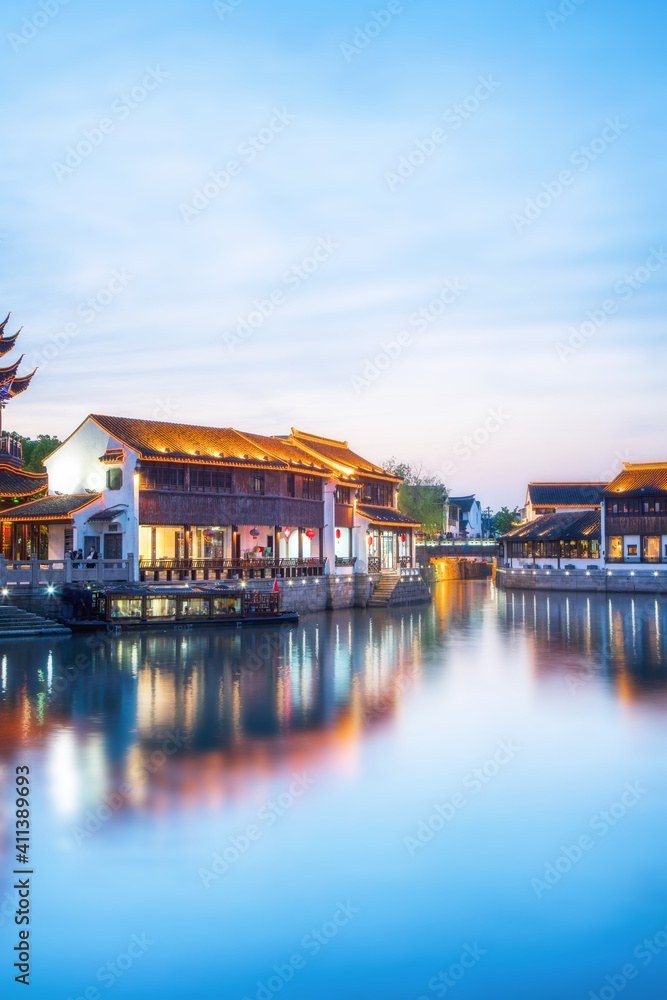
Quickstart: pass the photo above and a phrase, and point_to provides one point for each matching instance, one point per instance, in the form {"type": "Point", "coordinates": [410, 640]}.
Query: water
{"type": "Point", "coordinates": [365, 806]}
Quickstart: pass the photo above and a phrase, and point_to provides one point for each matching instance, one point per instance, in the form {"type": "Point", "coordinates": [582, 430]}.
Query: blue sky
{"type": "Point", "coordinates": [316, 107]}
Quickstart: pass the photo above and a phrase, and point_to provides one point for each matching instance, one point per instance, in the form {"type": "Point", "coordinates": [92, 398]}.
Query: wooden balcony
{"type": "Point", "coordinates": [227, 569]}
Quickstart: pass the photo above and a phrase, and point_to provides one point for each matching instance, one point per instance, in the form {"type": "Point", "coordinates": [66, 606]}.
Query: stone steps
{"type": "Point", "coordinates": [17, 622]}
{"type": "Point", "coordinates": [394, 590]}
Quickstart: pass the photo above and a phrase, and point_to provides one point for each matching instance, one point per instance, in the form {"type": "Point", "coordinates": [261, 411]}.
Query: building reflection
{"type": "Point", "coordinates": [232, 702]}
{"type": "Point", "coordinates": [621, 637]}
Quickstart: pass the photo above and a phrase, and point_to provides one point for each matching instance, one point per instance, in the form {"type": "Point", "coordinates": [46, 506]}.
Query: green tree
{"type": "Point", "coordinates": [505, 520]}
{"type": "Point", "coordinates": [35, 451]}
{"type": "Point", "coordinates": [420, 495]}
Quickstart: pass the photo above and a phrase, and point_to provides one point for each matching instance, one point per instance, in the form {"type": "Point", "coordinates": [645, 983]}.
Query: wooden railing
{"type": "Point", "coordinates": [345, 560]}
{"type": "Point", "coordinates": [36, 573]}
{"type": "Point", "coordinates": [228, 569]}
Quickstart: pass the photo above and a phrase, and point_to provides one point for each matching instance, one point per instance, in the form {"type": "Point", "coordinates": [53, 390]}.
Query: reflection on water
{"type": "Point", "coordinates": [181, 736]}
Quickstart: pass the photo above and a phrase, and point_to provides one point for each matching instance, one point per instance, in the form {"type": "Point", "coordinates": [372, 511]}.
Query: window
{"type": "Point", "coordinates": [378, 494]}
{"type": "Point", "coordinates": [126, 607]}
{"type": "Point", "coordinates": [226, 605]}
{"type": "Point", "coordinates": [311, 488]}
{"type": "Point", "coordinates": [632, 550]}
{"type": "Point", "coordinates": [163, 476]}
{"type": "Point", "coordinates": [160, 607]}
{"type": "Point", "coordinates": [290, 484]}
{"type": "Point", "coordinates": [210, 480]}
{"type": "Point", "coordinates": [114, 479]}
{"type": "Point", "coordinates": [257, 482]}
{"type": "Point", "coordinates": [651, 548]}
{"type": "Point", "coordinates": [616, 548]}
{"type": "Point", "coordinates": [343, 494]}
{"type": "Point", "coordinates": [194, 607]}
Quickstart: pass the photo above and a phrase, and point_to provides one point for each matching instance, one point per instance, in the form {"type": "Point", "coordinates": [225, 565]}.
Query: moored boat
{"type": "Point", "coordinates": [132, 606]}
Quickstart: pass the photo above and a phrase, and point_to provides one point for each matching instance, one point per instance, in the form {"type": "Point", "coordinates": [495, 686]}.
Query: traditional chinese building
{"type": "Point", "coordinates": [634, 516]}
{"type": "Point", "coordinates": [16, 486]}
{"type": "Point", "coordinates": [552, 498]}
{"type": "Point", "coordinates": [210, 503]}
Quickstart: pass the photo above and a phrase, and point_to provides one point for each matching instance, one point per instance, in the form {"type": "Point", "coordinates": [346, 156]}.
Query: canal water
{"type": "Point", "coordinates": [466, 799]}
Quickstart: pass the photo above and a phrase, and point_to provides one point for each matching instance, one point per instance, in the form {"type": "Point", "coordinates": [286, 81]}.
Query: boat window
{"type": "Point", "coordinates": [226, 605]}
{"type": "Point", "coordinates": [194, 607]}
{"type": "Point", "coordinates": [160, 607]}
{"type": "Point", "coordinates": [126, 607]}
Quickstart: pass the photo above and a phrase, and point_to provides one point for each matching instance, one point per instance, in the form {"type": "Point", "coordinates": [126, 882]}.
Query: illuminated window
{"type": "Point", "coordinates": [616, 548]}
{"type": "Point", "coordinates": [226, 605]}
{"type": "Point", "coordinates": [126, 607]}
{"type": "Point", "coordinates": [257, 482]}
{"type": "Point", "coordinates": [160, 607]}
{"type": "Point", "coordinates": [632, 550]}
{"type": "Point", "coordinates": [194, 607]}
{"type": "Point", "coordinates": [651, 548]}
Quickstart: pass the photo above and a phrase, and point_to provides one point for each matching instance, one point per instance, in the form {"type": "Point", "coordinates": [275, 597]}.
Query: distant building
{"type": "Point", "coordinates": [595, 525]}
{"type": "Point", "coordinates": [463, 517]}
{"type": "Point", "coordinates": [550, 498]}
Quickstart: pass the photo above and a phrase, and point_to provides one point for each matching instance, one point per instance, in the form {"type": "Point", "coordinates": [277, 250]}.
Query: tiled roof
{"type": "Point", "coordinates": [14, 483]}
{"type": "Point", "coordinates": [463, 503]}
{"type": "Point", "coordinates": [640, 476]}
{"type": "Point", "coordinates": [551, 527]}
{"type": "Point", "coordinates": [564, 494]}
{"type": "Point", "coordinates": [109, 513]}
{"type": "Point", "coordinates": [282, 449]}
{"type": "Point", "coordinates": [384, 515]}
{"type": "Point", "coordinates": [340, 454]}
{"type": "Point", "coordinates": [50, 508]}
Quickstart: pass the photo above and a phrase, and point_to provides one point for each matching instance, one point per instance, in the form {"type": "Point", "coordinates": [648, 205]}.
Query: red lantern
{"type": "Point", "coordinates": [402, 538]}
{"type": "Point", "coordinates": [370, 539]}
{"type": "Point", "coordinates": [310, 533]}
{"type": "Point", "coordinates": [287, 532]}
{"type": "Point", "coordinates": [337, 532]}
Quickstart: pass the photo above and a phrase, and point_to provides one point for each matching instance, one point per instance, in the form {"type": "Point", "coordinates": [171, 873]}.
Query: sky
{"type": "Point", "coordinates": [432, 229]}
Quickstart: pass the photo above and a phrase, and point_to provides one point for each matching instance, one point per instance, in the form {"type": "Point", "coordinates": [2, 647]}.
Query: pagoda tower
{"type": "Point", "coordinates": [11, 384]}
{"type": "Point", "coordinates": [16, 486]}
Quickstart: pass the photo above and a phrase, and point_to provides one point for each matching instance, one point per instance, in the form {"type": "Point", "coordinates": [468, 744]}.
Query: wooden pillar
{"type": "Point", "coordinates": [276, 543]}
{"type": "Point", "coordinates": [321, 538]}
{"type": "Point", "coordinates": [300, 530]}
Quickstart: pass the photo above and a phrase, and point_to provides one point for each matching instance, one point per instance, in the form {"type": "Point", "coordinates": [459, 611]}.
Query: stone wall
{"type": "Point", "coordinates": [600, 581]}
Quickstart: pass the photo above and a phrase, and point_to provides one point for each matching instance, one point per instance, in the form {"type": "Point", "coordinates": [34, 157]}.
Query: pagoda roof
{"type": "Point", "coordinates": [9, 373]}
{"type": "Point", "coordinates": [7, 344]}
{"type": "Point", "coordinates": [55, 508]}
{"type": "Point", "coordinates": [15, 483]}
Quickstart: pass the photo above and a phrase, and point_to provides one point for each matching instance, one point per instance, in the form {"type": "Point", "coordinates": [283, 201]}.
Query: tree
{"type": "Point", "coordinates": [505, 520]}
{"type": "Point", "coordinates": [420, 495]}
{"type": "Point", "coordinates": [35, 451]}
